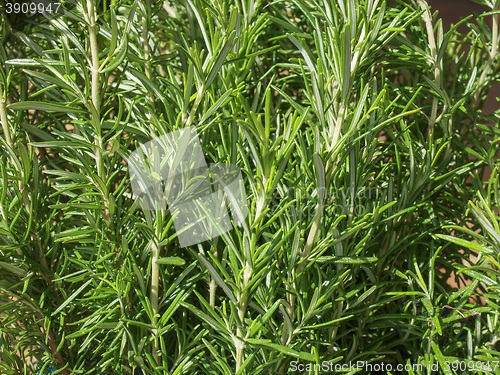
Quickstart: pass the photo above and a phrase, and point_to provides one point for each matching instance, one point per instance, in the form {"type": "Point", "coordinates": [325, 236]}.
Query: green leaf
{"type": "Point", "coordinates": [176, 261]}
{"type": "Point", "coordinates": [218, 279]}
{"type": "Point", "coordinates": [220, 102]}
{"type": "Point", "coordinates": [442, 361]}
{"type": "Point", "coordinates": [283, 349]}
{"type": "Point", "coordinates": [306, 54]}
{"type": "Point", "coordinates": [39, 106]}
{"type": "Point", "coordinates": [71, 298]}
{"type": "Point", "coordinates": [465, 244]}
{"type": "Point", "coordinates": [13, 269]}
{"type": "Point", "coordinates": [220, 60]}
{"type": "Point", "coordinates": [120, 56]}
{"type": "Point", "coordinates": [346, 260]}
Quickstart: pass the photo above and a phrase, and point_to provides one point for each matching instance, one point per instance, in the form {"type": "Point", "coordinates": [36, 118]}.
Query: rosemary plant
{"type": "Point", "coordinates": [371, 174]}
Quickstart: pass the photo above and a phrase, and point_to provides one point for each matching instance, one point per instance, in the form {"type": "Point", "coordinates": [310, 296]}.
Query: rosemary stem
{"type": "Point", "coordinates": [96, 97]}
{"type": "Point", "coordinates": [155, 279]}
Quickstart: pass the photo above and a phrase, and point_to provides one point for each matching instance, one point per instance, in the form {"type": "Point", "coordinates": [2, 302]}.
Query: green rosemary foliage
{"type": "Point", "coordinates": [370, 168]}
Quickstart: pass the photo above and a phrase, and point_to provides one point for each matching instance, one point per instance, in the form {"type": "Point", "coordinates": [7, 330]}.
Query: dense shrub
{"type": "Point", "coordinates": [370, 169]}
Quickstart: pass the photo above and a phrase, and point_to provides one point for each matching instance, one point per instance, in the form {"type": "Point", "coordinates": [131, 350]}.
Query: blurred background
{"type": "Point", "coordinates": [452, 11]}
